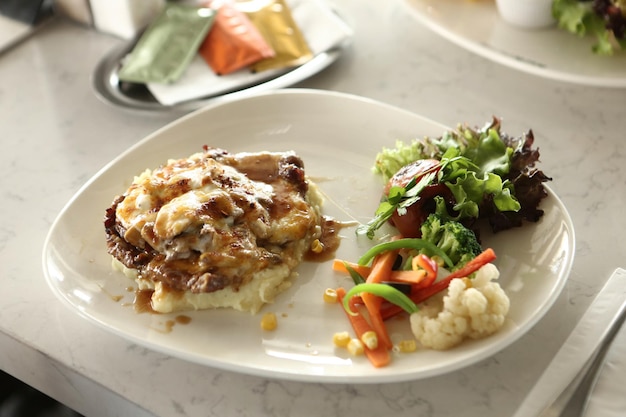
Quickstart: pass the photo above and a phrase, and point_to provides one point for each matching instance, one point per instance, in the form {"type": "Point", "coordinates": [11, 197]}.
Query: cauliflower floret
{"type": "Point", "coordinates": [473, 309]}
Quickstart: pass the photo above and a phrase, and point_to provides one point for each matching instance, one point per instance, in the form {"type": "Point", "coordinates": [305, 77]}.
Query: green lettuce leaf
{"type": "Point", "coordinates": [579, 18]}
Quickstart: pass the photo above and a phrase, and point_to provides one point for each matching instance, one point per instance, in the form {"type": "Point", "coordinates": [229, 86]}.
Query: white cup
{"type": "Point", "coordinates": [530, 14]}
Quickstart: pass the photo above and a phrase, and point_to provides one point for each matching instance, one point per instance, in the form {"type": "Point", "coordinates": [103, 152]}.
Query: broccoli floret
{"type": "Point", "coordinates": [456, 240]}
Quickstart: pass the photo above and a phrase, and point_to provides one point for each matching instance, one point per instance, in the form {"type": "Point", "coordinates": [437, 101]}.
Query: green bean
{"type": "Point", "coordinates": [407, 243]}
{"type": "Point", "coordinates": [385, 291]}
{"type": "Point", "coordinates": [356, 277]}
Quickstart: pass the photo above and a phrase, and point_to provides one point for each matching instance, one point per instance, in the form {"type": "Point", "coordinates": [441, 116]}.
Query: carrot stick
{"type": "Point", "coordinates": [475, 264]}
{"type": "Point", "coordinates": [381, 270]}
{"type": "Point", "coordinates": [380, 356]}
{"type": "Point", "coordinates": [339, 265]}
{"type": "Point", "coordinates": [409, 277]}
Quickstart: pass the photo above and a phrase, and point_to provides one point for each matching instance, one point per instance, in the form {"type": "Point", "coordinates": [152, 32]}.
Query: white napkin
{"type": "Point", "coordinates": [321, 27]}
{"type": "Point", "coordinates": [578, 347]}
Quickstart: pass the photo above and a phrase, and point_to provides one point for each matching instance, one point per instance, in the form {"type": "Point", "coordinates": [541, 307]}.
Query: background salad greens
{"type": "Point", "coordinates": [603, 19]}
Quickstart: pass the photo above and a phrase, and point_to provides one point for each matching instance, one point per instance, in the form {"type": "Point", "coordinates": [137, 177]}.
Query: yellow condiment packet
{"type": "Point", "coordinates": [275, 22]}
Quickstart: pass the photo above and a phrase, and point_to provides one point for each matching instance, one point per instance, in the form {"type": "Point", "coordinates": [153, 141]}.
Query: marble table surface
{"type": "Point", "coordinates": [56, 133]}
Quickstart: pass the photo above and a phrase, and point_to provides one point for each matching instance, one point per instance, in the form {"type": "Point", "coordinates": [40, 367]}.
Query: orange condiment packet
{"type": "Point", "coordinates": [233, 42]}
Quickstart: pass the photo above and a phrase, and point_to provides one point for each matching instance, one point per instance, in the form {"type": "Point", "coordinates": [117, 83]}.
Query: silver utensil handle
{"type": "Point", "coordinates": [572, 402]}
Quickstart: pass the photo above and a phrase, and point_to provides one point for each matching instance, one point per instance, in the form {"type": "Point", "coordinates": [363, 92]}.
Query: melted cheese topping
{"type": "Point", "coordinates": [171, 200]}
{"type": "Point", "coordinates": [213, 222]}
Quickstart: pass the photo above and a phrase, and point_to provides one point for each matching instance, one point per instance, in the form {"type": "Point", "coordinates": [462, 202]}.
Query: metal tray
{"type": "Point", "coordinates": [109, 88]}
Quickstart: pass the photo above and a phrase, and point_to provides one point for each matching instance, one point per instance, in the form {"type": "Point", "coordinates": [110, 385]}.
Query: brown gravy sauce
{"type": "Point", "coordinates": [115, 297]}
{"type": "Point", "coordinates": [142, 304]}
{"type": "Point", "coordinates": [169, 324]}
{"type": "Point", "coordinates": [329, 239]}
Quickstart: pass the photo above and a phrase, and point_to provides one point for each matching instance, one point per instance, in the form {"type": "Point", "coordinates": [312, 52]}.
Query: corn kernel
{"type": "Point", "coordinates": [341, 339]}
{"type": "Point", "coordinates": [438, 260]}
{"type": "Point", "coordinates": [370, 339]}
{"type": "Point", "coordinates": [407, 346]}
{"type": "Point", "coordinates": [317, 246]}
{"type": "Point", "coordinates": [415, 264]}
{"type": "Point", "coordinates": [330, 295]}
{"type": "Point", "coordinates": [355, 347]}
{"type": "Point", "coordinates": [268, 321]}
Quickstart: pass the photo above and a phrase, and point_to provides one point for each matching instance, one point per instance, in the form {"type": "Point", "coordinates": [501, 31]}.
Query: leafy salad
{"type": "Point", "coordinates": [437, 192]}
{"type": "Point", "coordinates": [603, 19]}
{"type": "Point", "coordinates": [469, 174]}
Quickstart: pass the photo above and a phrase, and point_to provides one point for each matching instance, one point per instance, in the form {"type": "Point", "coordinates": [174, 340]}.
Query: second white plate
{"type": "Point", "coordinates": [551, 53]}
{"type": "Point", "coordinates": [337, 136]}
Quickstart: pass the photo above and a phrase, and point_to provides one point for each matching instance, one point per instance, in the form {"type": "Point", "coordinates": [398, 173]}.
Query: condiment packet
{"type": "Point", "coordinates": [168, 45]}
{"type": "Point", "coordinates": [233, 42]}
{"type": "Point", "coordinates": [322, 28]}
{"type": "Point", "coordinates": [274, 20]}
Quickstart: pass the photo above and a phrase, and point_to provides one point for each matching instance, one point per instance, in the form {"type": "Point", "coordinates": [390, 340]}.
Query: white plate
{"type": "Point", "coordinates": [551, 53]}
{"type": "Point", "coordinates": [337, 136]}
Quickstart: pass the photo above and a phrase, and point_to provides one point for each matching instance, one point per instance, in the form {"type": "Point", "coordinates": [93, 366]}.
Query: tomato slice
{"type": "Point", "coordinates": [413, 170]}
{"type": "Point", "coordinates": [409, 224]}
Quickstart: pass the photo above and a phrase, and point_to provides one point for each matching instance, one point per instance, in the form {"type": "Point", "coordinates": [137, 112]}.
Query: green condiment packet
{"type": "Point", "coordinates": [168, 45]}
